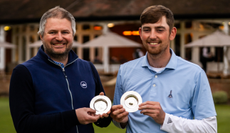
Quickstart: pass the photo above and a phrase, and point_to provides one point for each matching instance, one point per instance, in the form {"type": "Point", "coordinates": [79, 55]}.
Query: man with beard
{"type": "Point", "coordinates": [51, 92]}
{"type": "Point", "coordinates": [176, 94]}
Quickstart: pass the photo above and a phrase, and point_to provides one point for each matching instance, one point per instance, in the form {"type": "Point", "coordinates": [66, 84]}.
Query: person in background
{"type": "Point", "coordinates": [206, 57]}
{"type": "Point", "coordinates": [51, 92]}
{"type": "Point", "coordinates": [137, 53]}
{"type": "Point", "coordinates": [176, 94]}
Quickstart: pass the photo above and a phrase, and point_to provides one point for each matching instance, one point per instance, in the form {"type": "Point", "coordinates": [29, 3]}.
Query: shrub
{"type": "Point", "coordinates": [220, 97]}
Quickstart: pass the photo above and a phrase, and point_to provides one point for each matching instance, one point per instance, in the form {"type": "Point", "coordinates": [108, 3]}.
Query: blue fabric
{"type": "Point", "coordinates": [182, 89]}
{"type": "Point", "coordinates": [59, 64]}
{"type": "Point", "coordinates": [44, 95]}
{"type": "Point", "coordinates": [52, 83]}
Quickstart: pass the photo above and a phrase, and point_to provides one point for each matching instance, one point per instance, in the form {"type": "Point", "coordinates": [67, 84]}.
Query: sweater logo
{"type": "Point", "coordinates": [83, 84]}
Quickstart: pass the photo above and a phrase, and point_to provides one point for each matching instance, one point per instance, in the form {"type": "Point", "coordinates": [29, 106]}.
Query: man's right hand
{"type": "Point", "coordinates": [86, 115]}
{"type": "Point", "coordinates": [119, 114]}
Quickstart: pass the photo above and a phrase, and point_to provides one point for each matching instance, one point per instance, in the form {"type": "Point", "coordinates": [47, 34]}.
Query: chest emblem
{"type": "Point", "coordinates": [83, 84]}
{"type": "Point", "coordinates": [170, 95]}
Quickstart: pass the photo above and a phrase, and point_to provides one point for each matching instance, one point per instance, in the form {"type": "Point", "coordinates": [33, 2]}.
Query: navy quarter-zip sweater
{"type": "Point", "coordinates": [44, 96]}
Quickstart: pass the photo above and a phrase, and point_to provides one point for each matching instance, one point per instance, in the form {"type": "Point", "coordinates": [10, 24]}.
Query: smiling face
{"type": "Point", "coordinates": [57, 38]}
{"type": "Point", "coordinates": [156, 37]}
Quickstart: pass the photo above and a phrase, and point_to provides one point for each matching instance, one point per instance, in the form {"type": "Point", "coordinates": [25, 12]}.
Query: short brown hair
{"type": "Point", "coordinates": [153, 13]}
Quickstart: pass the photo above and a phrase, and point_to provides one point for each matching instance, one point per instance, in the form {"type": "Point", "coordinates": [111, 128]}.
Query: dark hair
{"type": "Point", "coordinates": [56, 12]}
{"type": "Point", "coordinates": [153, 13]}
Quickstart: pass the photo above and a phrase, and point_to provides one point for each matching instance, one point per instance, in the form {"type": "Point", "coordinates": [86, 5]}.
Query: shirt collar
{"type": "Point", "coordinates": [59, 64]}
{"type": "Point", "coordinates": [171, 64]}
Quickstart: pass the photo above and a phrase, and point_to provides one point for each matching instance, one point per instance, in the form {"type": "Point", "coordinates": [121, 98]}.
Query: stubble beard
{"type": "Point", "coordinates": [57, 55]}
{"type": "Point", "coordinates": [158, 51]}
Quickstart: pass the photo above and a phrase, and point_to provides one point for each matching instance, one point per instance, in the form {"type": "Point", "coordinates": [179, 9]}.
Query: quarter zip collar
{"type": "Point", "coordinates": [72, 56]}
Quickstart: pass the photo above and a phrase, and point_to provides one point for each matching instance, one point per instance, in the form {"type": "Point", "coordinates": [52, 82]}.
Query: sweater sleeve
{"type": "Point", "coordinates": [175, 124]}
{"type": "Point", "coordinates": [99, 88]}
{"type": "Point", "coordinates": [21, 98]}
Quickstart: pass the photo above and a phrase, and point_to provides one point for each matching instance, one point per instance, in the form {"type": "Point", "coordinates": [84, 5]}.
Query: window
{"type": "Point", "coordinates": [75, 38]}
{"type": "Point", "coordinates": [23, 48]}
{"type": "Point", "coordinates": [188, 51]}
{"type": "Point", "coordinates": [86, 27]}
{"type": "Point", "coordinates": [177, 44]}
{"type": "Point", "coordinates": [85, 50]}
{"type": "Point", "coordinates": [188, 25]}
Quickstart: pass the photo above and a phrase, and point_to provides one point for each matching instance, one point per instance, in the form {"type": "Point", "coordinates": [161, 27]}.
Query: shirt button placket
{"type": "Point", "coordinates": [154, 86]}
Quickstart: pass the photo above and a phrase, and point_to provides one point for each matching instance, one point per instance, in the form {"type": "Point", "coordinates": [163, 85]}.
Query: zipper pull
{"type": "Point", "coordinates": [63, 69]}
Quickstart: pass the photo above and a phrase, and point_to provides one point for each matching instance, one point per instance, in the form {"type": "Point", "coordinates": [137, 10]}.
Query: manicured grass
{"type": "Point", "coordinates": [223, 118]}
{"type": "Point", "coordinates": [6, 124]}
{"type": "Point", "coordinates": [110, 129]}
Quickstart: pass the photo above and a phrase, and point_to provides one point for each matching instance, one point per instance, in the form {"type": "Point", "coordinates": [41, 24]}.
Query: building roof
{"type": "Point", "coordinates": [21, 11]}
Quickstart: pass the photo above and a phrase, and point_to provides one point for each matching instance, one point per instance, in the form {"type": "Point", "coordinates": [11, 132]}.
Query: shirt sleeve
{"type": "Point", "coordinates": [117, 95]}
{"type": "Point", "coordinates": [25, 119]}
{"type": "Point", "coordinates": [118, 89]}
{"type": "Point", "coordinates": [99, 87]}
{"type": "Point", "coordinates": [202, 104]}
{"type": "Point", "coordinates": [175, 124]}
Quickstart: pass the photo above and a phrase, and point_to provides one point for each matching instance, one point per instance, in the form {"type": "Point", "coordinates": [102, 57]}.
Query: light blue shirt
{"type": "Point", "coordinates": [182, 89]}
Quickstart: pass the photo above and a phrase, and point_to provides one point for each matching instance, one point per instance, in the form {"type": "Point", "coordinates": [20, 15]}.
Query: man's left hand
{"type": "Point", "coordinates": [154, 110]}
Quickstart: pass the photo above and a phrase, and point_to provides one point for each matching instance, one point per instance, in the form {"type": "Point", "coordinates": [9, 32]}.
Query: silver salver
{"type": "Point", "coordinates": [131, 101]}
{"type": "Point", "coordinates": [102, 104]}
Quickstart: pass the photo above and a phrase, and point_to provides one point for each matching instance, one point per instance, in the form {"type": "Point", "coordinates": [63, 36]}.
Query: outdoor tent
{"type": "Point", "coordinates": [6, 45]}
{"type": "Point", "coordinates": [216, 39]}
{"type": "Point", "coordinates": [110, 40]}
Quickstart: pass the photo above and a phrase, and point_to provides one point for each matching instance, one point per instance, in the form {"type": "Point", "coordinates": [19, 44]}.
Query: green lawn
{"type": "Point", "coordinates": [223, 118]}
{"type": "Point", "coordinates": [110, 129]}
{"type": "Point", "coordinates": [6, 125]}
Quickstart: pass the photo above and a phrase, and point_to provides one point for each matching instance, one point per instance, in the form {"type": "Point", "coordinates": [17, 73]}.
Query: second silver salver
{"type": "Point", "coordinates": [131, 101]}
